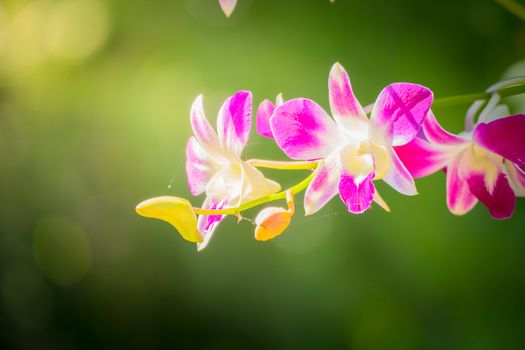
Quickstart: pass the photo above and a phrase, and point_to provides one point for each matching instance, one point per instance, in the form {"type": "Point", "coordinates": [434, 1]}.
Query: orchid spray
{"type": "Point", "coordinates": [395, 140]}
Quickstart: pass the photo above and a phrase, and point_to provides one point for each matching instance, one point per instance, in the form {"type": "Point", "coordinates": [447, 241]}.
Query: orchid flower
{"type": "Point", "coordinates": [484, 163]}
{"type": "Point", "coordinates": [213, 163]}
{"type": "Point", "coordinates": [228, 6]}
{"type": "Point", "coordinates": [354, 150]}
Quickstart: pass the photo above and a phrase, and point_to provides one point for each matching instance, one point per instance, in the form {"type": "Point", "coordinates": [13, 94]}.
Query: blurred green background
{"type": "Point", "coordinates": [94, 117]}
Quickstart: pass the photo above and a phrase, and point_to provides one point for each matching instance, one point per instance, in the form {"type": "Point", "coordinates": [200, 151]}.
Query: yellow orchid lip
{"type": "Point", "coordinates": [174, 210]}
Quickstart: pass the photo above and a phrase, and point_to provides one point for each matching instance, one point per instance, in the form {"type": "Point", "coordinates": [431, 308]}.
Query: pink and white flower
{"type": "Point", "coordinates": [213, 163]}
{"type": "Point", "coordinates": [484, 163]}
{"type": "Point", "coordinates": [354, 150]}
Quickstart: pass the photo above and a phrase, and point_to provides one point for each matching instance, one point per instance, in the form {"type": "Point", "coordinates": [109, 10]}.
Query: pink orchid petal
{"type": "Point", "coordinates": [517, 177]}
{"type": "Point", "coordinates": [204, 133]}
{"type": "Point", "coordinates": [399, 178]}
{"type": "Point", "coordinates": [199, 167]}
{"type": "Point", "coordinates": [207, 224]}
{"type": "Point", "coordinates": [303, 130]}
{"type": "Point", "coordinates": [500, 202]}
{"type": "Point", "coordinates": [234, 122]}
{"type": "Point", "coordinates": [505, 137]}
{"type": "Point", "coordinates": [324, 185]}
{"type": "Point", "coordinates": [422, 158]}
{"type": "Point", "coordinates": [459, 198]}
{"type": "Point", "coordinates": [264, 112]}
{"type": "Point", "coordinates": [357, 192]}
{"type": "Point", "coordinates": [343, 103]}
{"type": "Point", "coordinates": [401, 109]}
{"type": "Point", "coordinates": [436, 134]}
{"type": "Point", "coordinates": [228, 6]}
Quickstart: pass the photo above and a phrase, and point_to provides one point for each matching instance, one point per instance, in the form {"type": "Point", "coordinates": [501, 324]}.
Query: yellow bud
{"type": "Point", "coordinates": [271, 222]}
{"type": "Point", "coordinates": [176, 211]}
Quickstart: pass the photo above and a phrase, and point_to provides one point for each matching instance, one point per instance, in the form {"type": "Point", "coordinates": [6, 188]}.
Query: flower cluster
{"type": "Point", "coordinates": [396, 139]}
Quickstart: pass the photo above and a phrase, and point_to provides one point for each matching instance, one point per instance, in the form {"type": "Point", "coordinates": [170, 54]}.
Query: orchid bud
{"type": "Point", "coordinates": [271, 222]}
{"type": "Point", "coordinates": [176, 211]}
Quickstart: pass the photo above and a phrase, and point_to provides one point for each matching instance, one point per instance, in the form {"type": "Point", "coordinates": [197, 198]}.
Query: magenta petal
{"type": "Point", "coordinates": [401, 108]}
{"type": "Point", "coordinates": [234, 122]}
{"type": "Point", "coordinates": [505, 137]}
{"type": "Point", "coordinates": [357, 192]}
{"type": "Point", "coordinates": [199, 167]}
{"type": "Point", "coordinates": [342, 100]}
{"type": "Point", "coordinates": [324, 185]}
{"type": "Point", "coordinates": [421, 158]}
{"type": "Point", "coordinates": [436, 134]}
{"type": "Point", "coordinates": [459, 198]}
{"type": "Point", "coordinates": [500, 202]}
{"type": "Point", "coordinates": [303, 130]}
{"type": "Point", "coordinates": [399, 177]}
{"type": "Point", "coordinates": [264, 112]}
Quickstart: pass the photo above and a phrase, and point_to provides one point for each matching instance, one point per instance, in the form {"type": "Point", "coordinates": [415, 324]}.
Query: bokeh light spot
{"type": "Point", "coordinates": [77, 29]}
{"type": "Point", "coordinates": [62, 250]}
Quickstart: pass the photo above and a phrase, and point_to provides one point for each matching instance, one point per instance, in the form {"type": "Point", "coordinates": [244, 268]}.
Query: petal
{"type": "Point", "coordinates": [399, 177]}
{"type": "Point", "coordinates": [207, 224]}
{"type": "Point", "coordinates": [204, 133]}
{"type": "Point", "coordinates": [234, 122]}
{"type": "Point", "coordinates": [500, 201]}
{"type": "Point", "coordinates": [482, 171]}
{"type": "Point", "coordinates": [505, 137]}
{"type": "Point", "coordinates": [255, 185]}
{"type": "Point", "coordinates": [436, 134]}
{"type": "Point", "coordinates": [422, 158]}
{"type": "Point", "coordinates": [380, 201]}
{"type": "Point", "coordinates": [501, 111]}
{"type": "Point", "coordinates": [264, 112]}
{"type": "Point", "coordinates": [176, 211]}
{"type": "Point", "coordinates": [200, 167]}
{"type": "Point", "coordinates": [357, 192]}
{"type": "Point", "coordinates": [227, 182]}
{"type": "Point", "coordinates": [517, 177]}
{"type": "Point", "coordinates": [228, 6]}
{"type": "Point", "coordinates": [459, 198]}
{"type": "Point", "coordinates": [324, 185]}
{"type": "Point", "coordinates": [271, 222]}
{"type": "Point", "coordinates": [303, 130]}
{"type": "Point", "coordinates": [343, 103]}
{"type": "Point", "coordinates": [401, 109]}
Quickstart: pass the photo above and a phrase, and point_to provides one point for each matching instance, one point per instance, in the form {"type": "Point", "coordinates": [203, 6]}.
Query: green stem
{"type": "Point", "coordinates": [274, 164]}
{"type": "Point", "coordinates": [465, 99]}
{"type": "Point", "coordinates": [273, 197]}
{"type": "Point", "coordinates": [513, 7]}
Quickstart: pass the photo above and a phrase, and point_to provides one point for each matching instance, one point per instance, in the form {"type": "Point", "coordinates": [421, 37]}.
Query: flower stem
{"type": "Point", "coordinates": [279, 195]}
{"type": "Point", "coordinates": [469, 98]}
{"type": "Point", "coordinates": [273, 164]}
